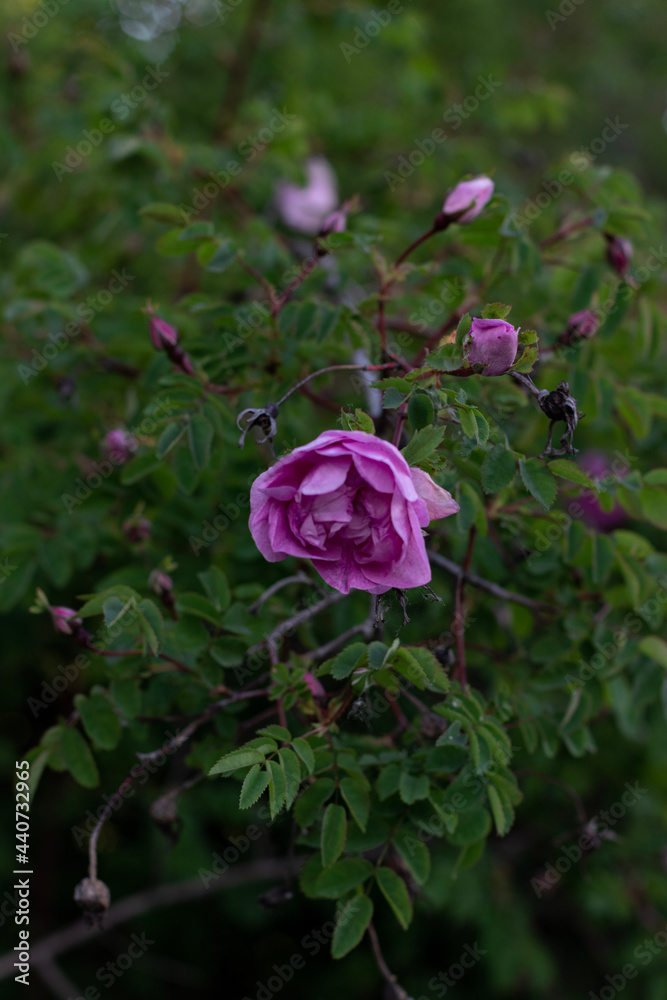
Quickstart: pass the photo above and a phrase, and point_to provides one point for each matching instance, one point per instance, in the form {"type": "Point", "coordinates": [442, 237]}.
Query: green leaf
{"type": "Point", "coordinates": [200, 437]}
{"type": "Point", "coordinates": [347, 660]}
{"type": "Point", "coordinates": [334, 830]}
{"type": "Point", "coordinates": [292, 771]}
{"type": "Point", "coordinates": [222, 257]}
{"type": "Point", "coordinates": [353, 919]}
{"type": "Point", "coordinates": [463, 328]}
{"type": "Point", "coordinates": [215, 584]}
{"type": "Point", "coordinates": [235, 760]}
{"type": "Point", "coordinates": [78, 758]}
{"type": "Point", "coordinates": [413, 787]}
{"type": "Point", "coordinates": [496, 310]}
{"type": "Point", "coordinates": [474, 824]}
{"type": "Point", "coordinates": [414, 854]}
{"type": "Point", "coordinates": [568, 470]}
{"type": "Point", "coordinates": [422, 444]}
{"type": "Point", "coordinates": [342, 876]}
{"type": "Point", "coordinates": [502, 813]}
{"type": "Point", "coordinates": [304, 750]}
{"type": "Point", "coordinates": [355, 794]}
{"type": "Point", "coordinates": [656, 648]}
{"type": "Point", "coordinates": [276, 733]}
{"type": "Point", "coordinates": [170, 436]}
{"type": "Point", "coordinates": [253, 786]}
{"type": "Point", "coordinates": [138, 468]}
{"type": "Point", "coordinates": [312, 799]}
{"type": "Point", "coordinates": [99, 720]}
{"type": "Point", "coordinates": [498, 469]}
{"type": "Point", "coordinates": [277, 787]}
{"type": "Point", "coordinates": [420, 410]}
{"type": "Point", "coordinates": [654, 506]}
{"type": "Point", "coordinates": [200, 607]}
{"type": "Point", "coordinates": [394, 890]}
{"type": "Point", "coordinates": [538, 481]}
{"type": "Point", "coordinates": [388, 781]}
{"type": "Point", "coordinates": [161, 211]}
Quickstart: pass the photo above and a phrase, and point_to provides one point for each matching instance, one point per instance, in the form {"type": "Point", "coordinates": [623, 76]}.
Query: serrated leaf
{"type": "Point", "coordinates": [347, 660]}
{"type": "Point", "coordinates": [254, 784]}
{"type": "Point", "coordinates": [334, 830]}
{"type": "Point", "coordinates": [276, 733]}
{"type": "Point", "coordinates": [422, 444]}
{"type": "Point", "coordinates": [353, 919]}
{"type": "Point", "coordinates": [394, 890]}
{"type": "Point", "coordinates": [78, 758]}
{"type": "Point", "coordinates": [235, 760]}
{"type": "Point", "coordinates": [357, 799]}
{"type": "Point", "coordinates": [216, 586]}
{"type": "Point", "coordinates": [170, 436]}
{"type": "Point", "coordinates": [304, 750]}
{"type": "Point", "coordinates": [99, 720]}
{"type": "Point", "coordinates": [414, 854]}
{"type": "Point", "coordinates": [538, 481]}
{"type": "Point", "coordinates": [568, 470]}
{"type": "Point", "coordinates": [312, 799]}
{"type": "Point", "coordinates": [413, 787]}
{"type": "Point", "coordinates": [292, 771]}
{"type": "Point", "coordinates": [342, 876]}
{"type": "Point", "coordinates": [277, 787]}
{"type": "Point", "coordinates": [498, 469]}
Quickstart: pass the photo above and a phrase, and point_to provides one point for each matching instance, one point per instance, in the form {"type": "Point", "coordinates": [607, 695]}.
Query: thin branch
{"type": "Point", "coordinates": [289, 624]}
{"type": "Point", "coordinates": [46, 949]}
{"type": "Point", "coordinates": [275, 587]}
{"type": "Point", "coordinates": [489, 587]}
{"type": "Point", "coordinates": [324, 652]}
{"type": "Point", "coordinates": [335, 368]}
{"type": "Point", "coordinates": [396, 990]}
{"type": "Point", "coordinates": [55, 979]}
{"type": "Point", "coordinates": [564, 231]}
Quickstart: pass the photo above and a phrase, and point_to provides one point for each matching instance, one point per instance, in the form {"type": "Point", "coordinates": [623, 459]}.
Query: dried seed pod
{"type": "Point", "coordinates": [93, 896]}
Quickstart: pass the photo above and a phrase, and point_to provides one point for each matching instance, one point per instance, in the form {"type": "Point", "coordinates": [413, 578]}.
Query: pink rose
{"type": "Point", "coordinates": [349, 502]}
{"type": "Point", "coordinates": [494, 343]}
{"type": "Point", "coordinates": [473, 195]}
{"type": "Point", "coordinates": [305, 208]}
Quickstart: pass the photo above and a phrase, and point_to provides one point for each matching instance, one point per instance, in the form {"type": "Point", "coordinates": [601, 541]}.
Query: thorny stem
{"type": "Point", "coordinates": [491, 588]}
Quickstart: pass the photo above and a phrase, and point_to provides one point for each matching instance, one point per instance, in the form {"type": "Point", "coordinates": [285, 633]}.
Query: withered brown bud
{"type": "Point", "coordinates": [93, 896]}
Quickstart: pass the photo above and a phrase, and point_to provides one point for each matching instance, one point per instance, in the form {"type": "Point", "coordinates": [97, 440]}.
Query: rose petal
{"type": "Point", "coordinates": [439, 502]}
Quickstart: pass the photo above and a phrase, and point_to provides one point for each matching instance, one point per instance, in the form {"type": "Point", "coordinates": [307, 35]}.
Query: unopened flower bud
{"type": "Point", "coordinates": [619, 253]}
{"type": "Point", "coordinates": [119, 445]}
{"type": "Point", "coordinates": [583, 324]}
{"type": "Point", "coordinates": [465, 202]}
{"type": "Point", "coordinates": [334, 223]}
{"type": "Point", "coordinates": [315, 687]}
{"type": "Point", "coordinates": [65, 620]}
{"type": "Point", "coordinates": [137, 529]}
{"type": "Point", "coordinates": [162, 334]}
{"type": "Point", "coordinates": [160, 582]}
{"type": "Point", "coordinates": [494, 343]}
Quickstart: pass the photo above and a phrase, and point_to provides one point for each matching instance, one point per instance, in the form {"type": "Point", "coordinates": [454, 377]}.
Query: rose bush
{"type": "Point", "coordinates": [349, 502]}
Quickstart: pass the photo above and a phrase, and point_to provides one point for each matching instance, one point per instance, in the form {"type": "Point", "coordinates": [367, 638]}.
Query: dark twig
{"type": "Point", "coordinates": [396, 990]}
{"type": "Point", "coordinates": [275, 587]}
{"type": "Point", "coordinates": [489, 587]}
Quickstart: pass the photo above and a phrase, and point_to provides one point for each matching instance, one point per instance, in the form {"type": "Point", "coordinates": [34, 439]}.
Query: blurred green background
{"type": "Point", "coordinates": [365, 94]}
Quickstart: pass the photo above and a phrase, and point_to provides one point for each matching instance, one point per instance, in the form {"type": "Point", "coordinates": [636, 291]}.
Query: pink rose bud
{"type": "Point", "coordinates": [137, 529]}
{"type": "Point", "coordinates": [160, 582]}
{"type": "Point", "coordinates": [119, 445]}
{"type": "Point", "coordinates": [619, 253]}
{"type": "Point", "coordinates": [597, 467]}
{"type": "Point", "coordinates": [582, 324]}
{"type": "Point", "coordinates": [334, 223]}
{"type": "Point", "coordinates": [65, 620]}
{"type": "Point", "coordinates": [494, 343]}
{"type": "Point", "coordinates": [316, 689]}
{"type": "Point", "coordinates": [349, 502]}
{"type": "Point", "coordinates": [469, 198]}
{"type": "Point", "coordinates": [162, 334]}
{"type": "Point", "coordinates": [306, 208]}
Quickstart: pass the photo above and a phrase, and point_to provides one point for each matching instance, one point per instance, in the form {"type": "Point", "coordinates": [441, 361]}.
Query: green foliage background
{"type": "Point", "coordinates": [555, 88]}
